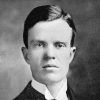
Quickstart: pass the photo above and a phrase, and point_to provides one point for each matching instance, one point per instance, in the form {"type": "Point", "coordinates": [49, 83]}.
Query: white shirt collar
{"type": "Point", "coordinates": [61, 94]}
{"type": "Point", "coordinates": [44, 90]}
{"type": "Point", "coordinates": [38, 86]}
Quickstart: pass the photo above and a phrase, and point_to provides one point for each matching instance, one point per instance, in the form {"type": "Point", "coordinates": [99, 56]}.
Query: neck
{"type": "Point", "coordinates": [54, 88]}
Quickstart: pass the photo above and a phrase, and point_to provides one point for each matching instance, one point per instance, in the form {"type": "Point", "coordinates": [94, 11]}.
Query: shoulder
{"type": "Point", "coordinates": [25, 93]}
{"type": "Point", "coordinates": [29, 93]}
{"type": "Point", "coordinates": [73, 95]}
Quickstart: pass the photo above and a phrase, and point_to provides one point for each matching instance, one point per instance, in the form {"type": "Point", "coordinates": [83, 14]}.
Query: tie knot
{"type": "Point", "coordinates": [51, 99]}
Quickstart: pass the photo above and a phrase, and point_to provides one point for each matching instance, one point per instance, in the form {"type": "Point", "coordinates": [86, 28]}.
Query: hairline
{"type": "Point", "coordinates": [72, 31]}
{"type": "Point", "coordinates": [65, 16]}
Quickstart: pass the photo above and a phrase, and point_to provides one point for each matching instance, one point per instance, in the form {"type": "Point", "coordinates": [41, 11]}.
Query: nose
{"type": "Point", "coordinates": [49, 53]}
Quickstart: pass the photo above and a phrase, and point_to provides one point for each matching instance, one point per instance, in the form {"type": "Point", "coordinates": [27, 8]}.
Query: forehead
{"type": "Point", "coordinates": [51, 31]}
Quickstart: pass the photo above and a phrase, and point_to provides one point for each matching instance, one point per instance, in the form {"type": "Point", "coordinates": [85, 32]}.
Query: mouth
{"type": "Point", "coordinates": [50, 66]}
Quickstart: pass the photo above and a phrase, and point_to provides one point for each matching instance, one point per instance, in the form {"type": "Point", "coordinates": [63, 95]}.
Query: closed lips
{"type": "Point", "coordinates": [46, 66]}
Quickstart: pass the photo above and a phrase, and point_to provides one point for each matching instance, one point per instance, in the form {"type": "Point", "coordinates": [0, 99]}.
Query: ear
{"type": "Point", "coordinates": [72, 53]}
{"type": "Point", "coordinates": [25, 54]}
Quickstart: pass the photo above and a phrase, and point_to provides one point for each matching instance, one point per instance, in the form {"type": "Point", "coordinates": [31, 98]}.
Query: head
{"type": "Point", "coordinates": [49, 43]}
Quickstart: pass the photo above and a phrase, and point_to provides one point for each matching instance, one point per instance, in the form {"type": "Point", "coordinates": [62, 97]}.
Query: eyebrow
{"type": "Point", "coordinates": [32, 41]}
{"type": "Point", "coordinates": [35, 41]}
{"type": "Point", "coordinates": [61, 42]}
{"type": "Point", "coordinates": [42, 41]}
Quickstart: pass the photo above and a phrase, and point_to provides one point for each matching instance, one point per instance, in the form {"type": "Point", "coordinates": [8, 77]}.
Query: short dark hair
{"type": "Point", "coordinates": [47, 13]}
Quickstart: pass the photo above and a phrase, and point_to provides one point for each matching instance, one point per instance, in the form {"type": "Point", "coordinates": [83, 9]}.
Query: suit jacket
{"type": "Point", "coordinates": [29, 93]}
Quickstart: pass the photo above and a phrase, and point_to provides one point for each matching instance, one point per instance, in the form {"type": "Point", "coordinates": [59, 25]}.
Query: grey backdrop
{"type": "Point", "coordinates": [15, 73]}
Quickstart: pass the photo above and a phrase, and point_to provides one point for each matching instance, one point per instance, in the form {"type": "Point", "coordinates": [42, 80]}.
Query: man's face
{"type": "Point", "coordinates": [49, 53]}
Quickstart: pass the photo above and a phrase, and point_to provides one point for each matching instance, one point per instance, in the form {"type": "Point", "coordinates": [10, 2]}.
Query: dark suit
{"type": "Point", "coordinates": [29, 93]}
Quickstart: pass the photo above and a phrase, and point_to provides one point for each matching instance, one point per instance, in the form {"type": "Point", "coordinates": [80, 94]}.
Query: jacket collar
{"type": "Point", "coordinates": [33, 93]}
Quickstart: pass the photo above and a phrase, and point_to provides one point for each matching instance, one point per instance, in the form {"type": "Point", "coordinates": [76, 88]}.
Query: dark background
{"type": "Point", "coordinates": [15, 73]}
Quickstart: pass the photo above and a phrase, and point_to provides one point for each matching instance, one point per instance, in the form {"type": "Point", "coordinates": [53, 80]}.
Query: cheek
{"type": "Point", "coordinates": [64, 56]}
{"type": "Point", "coordinates": [35, 62]}
{"type": "Point", "coordinates": [35, 57]}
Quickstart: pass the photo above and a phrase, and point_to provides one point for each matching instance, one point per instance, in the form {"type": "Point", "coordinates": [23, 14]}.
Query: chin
{"type": "Point", "coordinates": [50, 80]}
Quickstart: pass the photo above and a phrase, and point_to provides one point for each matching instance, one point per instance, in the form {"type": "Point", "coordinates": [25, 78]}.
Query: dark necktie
{"type": "Point", "coordinates": [53, 99]}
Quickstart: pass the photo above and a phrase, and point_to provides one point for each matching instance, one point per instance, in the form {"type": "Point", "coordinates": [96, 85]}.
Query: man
{"type": "Point", "coordinates": [49, 49]}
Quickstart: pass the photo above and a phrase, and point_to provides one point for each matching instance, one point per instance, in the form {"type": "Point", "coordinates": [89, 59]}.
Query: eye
{"type": "Point", "coordinates": [38, 44]}
{"type": "Point", "coordinates": [60, 44]}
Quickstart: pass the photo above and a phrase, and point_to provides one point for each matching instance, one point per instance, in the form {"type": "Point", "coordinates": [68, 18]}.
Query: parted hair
{"type": "Point", "coordinates": [47, 13]}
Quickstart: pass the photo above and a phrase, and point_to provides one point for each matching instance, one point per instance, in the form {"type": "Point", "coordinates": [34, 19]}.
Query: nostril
{"type": "Point", "coordinates": [46, 57]}
{"type": "Point", "coordinates": [53, 57]}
